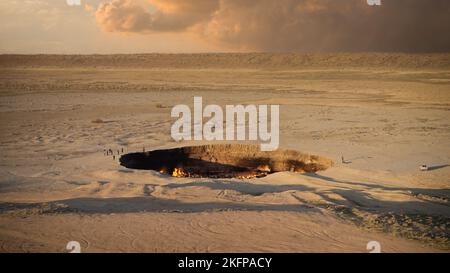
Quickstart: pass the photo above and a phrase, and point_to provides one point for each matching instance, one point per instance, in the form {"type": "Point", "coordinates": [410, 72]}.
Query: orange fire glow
{"type": "Point", "coordinates": [179, 172]}
{"type": "Point", "coordinates": [163, 170]}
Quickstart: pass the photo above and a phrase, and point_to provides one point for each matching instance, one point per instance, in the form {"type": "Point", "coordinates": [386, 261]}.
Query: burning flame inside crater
{"type": "Point", "coordinates": [179, 172]}
{"type": "Point", "coordinates": [224, 161]}
{"type": "Point", "coordinates": [163, 170]}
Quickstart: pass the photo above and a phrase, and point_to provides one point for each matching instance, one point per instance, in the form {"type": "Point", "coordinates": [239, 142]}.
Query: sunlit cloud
{"type": "Point", "coordinates": [290, 25]}
{"type": "Point", "coordinates": [106, 26]}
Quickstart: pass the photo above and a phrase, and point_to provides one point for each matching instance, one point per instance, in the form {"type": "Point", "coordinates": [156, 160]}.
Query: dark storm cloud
{"type": "Point", "coordinates": [291, 25]}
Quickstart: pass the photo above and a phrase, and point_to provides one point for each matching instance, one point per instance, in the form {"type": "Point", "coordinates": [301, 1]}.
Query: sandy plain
{"type": "Point", "coordinates": [385, 113]}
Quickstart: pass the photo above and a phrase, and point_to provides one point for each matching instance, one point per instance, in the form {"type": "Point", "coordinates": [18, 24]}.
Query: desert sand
{"type": "Point", "coordinates": [386, 114]}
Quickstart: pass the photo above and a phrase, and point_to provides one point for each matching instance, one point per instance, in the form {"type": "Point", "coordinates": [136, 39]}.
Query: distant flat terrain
{"type": "Point", "coordinates": [234, 60]}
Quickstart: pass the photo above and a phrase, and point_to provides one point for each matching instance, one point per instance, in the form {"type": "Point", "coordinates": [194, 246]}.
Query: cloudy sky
{"type": "Point", "coordinates": [135, 26]}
